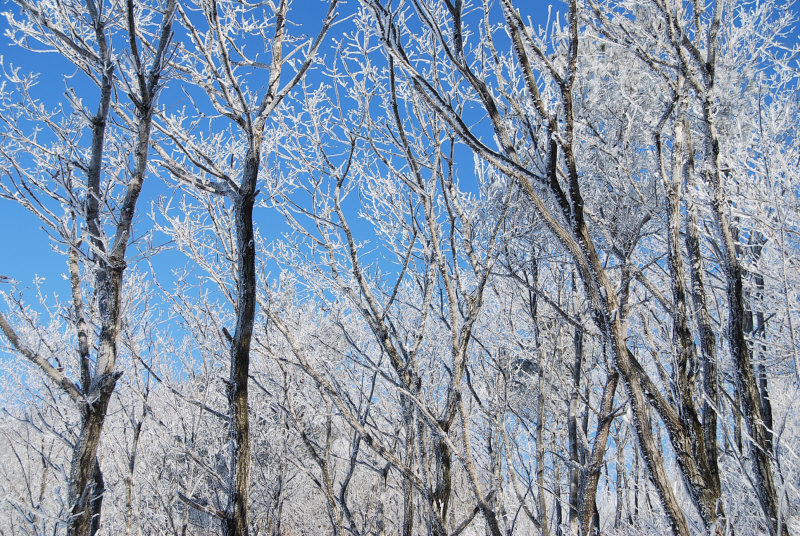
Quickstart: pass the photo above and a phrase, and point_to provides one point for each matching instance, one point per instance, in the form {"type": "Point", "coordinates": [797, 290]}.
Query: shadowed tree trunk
{"type": "Point", "coordinates": [236, 520]}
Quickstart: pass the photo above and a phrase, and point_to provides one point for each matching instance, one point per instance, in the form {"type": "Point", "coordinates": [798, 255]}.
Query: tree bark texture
{"type": "Point", "coordinates": [236, 521]}
{"type": "Point", "coordinates": [86, 479]}
{"type": "Point", "coordinates": [585, 496]}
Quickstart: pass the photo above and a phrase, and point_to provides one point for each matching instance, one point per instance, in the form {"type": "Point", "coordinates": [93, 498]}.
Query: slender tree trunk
{"type": "Point", "coordinates": [572, 433]}
{"type": "Point", "coordinates": [747, 385]}
{"type": "Point", "coordinates": [495, 452]}
{"type": "Point", "coordinates": [540, 456]}
{"type": "Point", "coordinates": [86, 487]}
{"type": "Point", "coordinates": [708, 342]}
{"type": "Point", "coordinates": [589, 482]}
{"type": "Point", "coordinates": [443, 488]}
{"type": "Point", "coordinates": [84, 495]}
{"type": "Point", "coordinates": [754, 326]}
{"type": "Point", "coordinates": [619, 482]}
{"type": "Point", "coordinates": [86, 478]}
{"type": "Point", "coordinates": [745, 377]}
{"type": "Point", "coordinates": [557, 511]}
{"type": "Point", "coordinates": [130, 516]}
{"type": "Point", "coordinates": [236, 521]}
{"type": "Point", "coordinates": [408, 488]}
{"type": "Point", "coordinates": [686, 431]}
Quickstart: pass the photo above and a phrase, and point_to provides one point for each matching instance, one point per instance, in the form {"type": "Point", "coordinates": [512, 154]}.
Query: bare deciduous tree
{"type": "Point", "coordinates": [214, 61]}
{"type": "Point", "coordinates": [82, 177]}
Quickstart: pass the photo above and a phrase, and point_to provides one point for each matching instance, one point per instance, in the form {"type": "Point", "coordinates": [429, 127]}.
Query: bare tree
{"type": "Point", "coordinates": [86, 196]}
{"type": "Point", "coordinates": [213, 59]}
{"type": "Point", "coordinates": [538, 146]}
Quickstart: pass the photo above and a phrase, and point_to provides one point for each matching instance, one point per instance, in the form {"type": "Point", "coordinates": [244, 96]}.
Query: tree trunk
{"type": "Point", "coordinates": [708, 342]}
{"type": "Point", "coordinates": [588, 489]}
{"type": "Point", "coordinates": [572, 433]}
{"type": "Point", "coordinates": [745, 378]}
{"type": "Point", "coordinates": [685, 430]}
{"type": "Point", "coordinates": [408, 487]}
{"type": "Point", "coordinates": [540, 458]}
{"type": "Point", "coordinates": [86, 485]}
{"type": "Point", "coordinates": [237, 513]}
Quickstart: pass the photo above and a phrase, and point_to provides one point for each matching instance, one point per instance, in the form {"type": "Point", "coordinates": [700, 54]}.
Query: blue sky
{"type": "Point", "coordinates": [25, 251]}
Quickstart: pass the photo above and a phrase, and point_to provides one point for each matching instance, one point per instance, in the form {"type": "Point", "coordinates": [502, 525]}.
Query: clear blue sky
{"type": "Point", "coordinates": [25, 250]}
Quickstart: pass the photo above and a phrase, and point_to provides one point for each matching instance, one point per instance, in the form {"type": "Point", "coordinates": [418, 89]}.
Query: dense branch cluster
{"type": "Point", "coordinates": [422, 267]}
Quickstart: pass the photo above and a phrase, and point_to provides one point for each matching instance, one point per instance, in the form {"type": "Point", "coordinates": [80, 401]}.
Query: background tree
{"type": "Point", "coordinates": [81, 175]}
{"type": "Point", "coordinates": [486, 286]}
{"type": "Point", "coordinates": [556, 120]}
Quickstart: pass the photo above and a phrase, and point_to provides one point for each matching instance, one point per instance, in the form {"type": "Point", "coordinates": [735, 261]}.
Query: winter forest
{"type": "Point", "coordinates": [374, 267]}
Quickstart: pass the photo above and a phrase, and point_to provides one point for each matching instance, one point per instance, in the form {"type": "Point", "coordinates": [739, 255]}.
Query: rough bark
{"type": "Point", "coordinates": [84, 498]}
{"type": "Point", "coordinates": [708, 342]}
{"type": "Point", "coordinates": [747, 384]}
{"type": "Point", "coordinates": [85, 493]}
{"type": "Point", "coordinates": [585, 502]}
{"type": "Point", "coordinates": [86, 484]}
{"type": "Point", "coordinates": [685, 429]}
{"type": "Point", "coordinates": [408, 488]}
{"type": "Point", "coordinates": [572, 432]}
{"type": "Point", "coordinates": [237, 512]}
{"type": "Point", "coordinates": [251, 118]}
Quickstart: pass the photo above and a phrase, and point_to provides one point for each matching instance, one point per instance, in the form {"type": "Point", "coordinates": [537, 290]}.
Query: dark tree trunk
{"type": "Point", "coordinates": [236, 521]}
{"type": "Point", "coordinates": [572, 432]}
{"type": "Point", "coordinates": [708, 342]}
{"type": "Point", "coordinates": [684, 426]}
{"type": "Point", "coordinates": [751, 399]}
{"type": "Point", "coordinates": [589, 482]}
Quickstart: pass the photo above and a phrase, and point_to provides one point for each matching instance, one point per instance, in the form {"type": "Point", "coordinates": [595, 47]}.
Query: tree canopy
{"type": "Point", "coordinates": [422, 267]}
